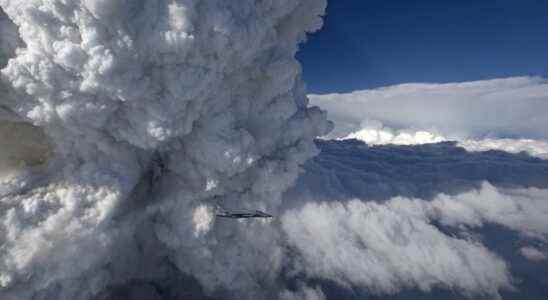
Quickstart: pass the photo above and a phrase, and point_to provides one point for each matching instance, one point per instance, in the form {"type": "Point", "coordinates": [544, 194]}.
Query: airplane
{"type": "Point", "coordinates": [243, 214]}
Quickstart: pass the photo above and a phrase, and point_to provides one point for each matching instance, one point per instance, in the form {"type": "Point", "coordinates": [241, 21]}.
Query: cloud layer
{"type": "Point", "coordinates": [351, 169]}
{"type": "Point", "coordinates": [389, 247]}
{"type": "Point", "coordinates": [394, 245]}
{"type": "Point", "coordinates": [446, 164]}
{"type": "Point", "coordinates": [498, 108]}
{"type": "Point", "coordinates": [393, 218]}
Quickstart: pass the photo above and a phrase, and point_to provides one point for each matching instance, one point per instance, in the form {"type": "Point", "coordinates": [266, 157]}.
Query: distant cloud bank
{"type": "Point", "coordinates": [505, 114]}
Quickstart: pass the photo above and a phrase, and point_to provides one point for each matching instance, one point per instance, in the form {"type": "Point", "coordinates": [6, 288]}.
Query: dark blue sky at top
{"type": "Point", "coordinates": [372, 43]}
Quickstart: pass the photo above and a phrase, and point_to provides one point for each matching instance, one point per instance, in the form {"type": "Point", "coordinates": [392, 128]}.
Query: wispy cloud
{"type": "Point", "coordinates": [390, 246]}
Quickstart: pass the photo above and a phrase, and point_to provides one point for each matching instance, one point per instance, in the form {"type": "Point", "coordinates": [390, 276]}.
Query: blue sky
{"type": "Point", "coordinates": [372, 43]}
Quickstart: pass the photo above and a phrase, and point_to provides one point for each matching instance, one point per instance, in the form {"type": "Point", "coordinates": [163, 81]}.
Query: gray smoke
{"type": "Point", "coordinates": [149, 113]}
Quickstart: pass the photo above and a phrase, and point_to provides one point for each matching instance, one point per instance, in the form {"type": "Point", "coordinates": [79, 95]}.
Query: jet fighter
{"type": "Point", "coordinates": [242, 214]}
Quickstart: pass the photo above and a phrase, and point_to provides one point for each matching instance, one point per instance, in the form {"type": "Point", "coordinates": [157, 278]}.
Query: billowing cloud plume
{"type": "Point", "coordinates": [152, 111]}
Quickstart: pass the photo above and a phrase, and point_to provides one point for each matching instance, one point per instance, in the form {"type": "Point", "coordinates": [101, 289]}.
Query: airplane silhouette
{"type": "Point", "coordinates": [242, 214]}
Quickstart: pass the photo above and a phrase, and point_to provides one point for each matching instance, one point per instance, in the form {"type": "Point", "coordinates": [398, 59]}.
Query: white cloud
{"type": "Point", "coordinates": [502, 114]}
{"type": "Point", "coordinates": [532, 147]}
{"type": "Point", "coordinates": [499, 108]}
{"type": "Point", "coordinates": [385, 250]}
{"type": "Point", "coordinates": [533, 254]}
{"type": "Point", "coordinates": [303, 293]}
{"type": "Point", "coordinates": [523, 210]}
{"type": "Point", "coordinates": [202, 217]}
{"type": "Point", "coordinates": [390, 246]}
{"type": "Point", "coordinates": [375, 133]}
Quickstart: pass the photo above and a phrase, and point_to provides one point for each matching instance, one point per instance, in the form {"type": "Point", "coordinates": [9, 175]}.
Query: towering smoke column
{"type": "Point", "coordinates": [143, 115]}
